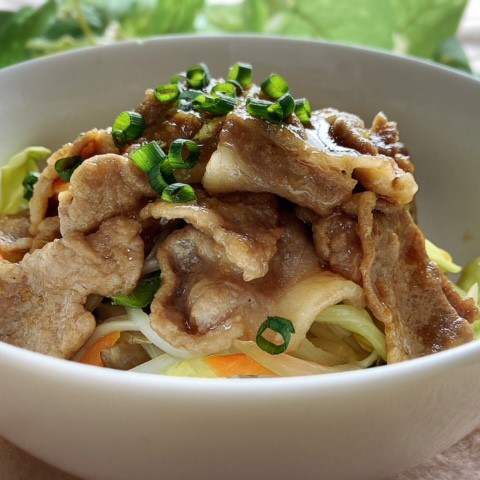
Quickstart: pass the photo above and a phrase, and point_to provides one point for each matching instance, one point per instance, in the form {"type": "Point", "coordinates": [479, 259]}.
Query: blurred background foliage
{"type": "Point", "coordinates": [425, 28]}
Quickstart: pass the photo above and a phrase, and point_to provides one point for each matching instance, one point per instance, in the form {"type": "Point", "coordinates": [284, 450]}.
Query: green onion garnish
{"type": "Point", "coordinates": [167, 171]}
{"type": "Point", "coordinates": [28, 183]}
{"type": "Point", "coordinates": [148, 156]}
{"type": "Point", "coordinates": [189, 95]}
{"type": "Point", "coordinates": [128, 126]}
{"type": "Point", "coordinates": [198, 76]}
{"type": "Point", "coordinates": [279, 325]}
{"type": "Point", "coordinates": [143, 293]}
{"type": "Point", "coordinates": [183, 153]}
{"type": "Point", "coordinates": [167, 93]}
{"type": "Point", "coordinates": [275, 86]}
{"type": "Point", "coordinates": [216, 104]}
{"type": "Point", "coordinates": [303, 110]}
{"type": "Point", "coordinates": [179, 78]}
{"type": "Point", "coordinates": [237, 86]}
{"type": "Point", "coordinates": [242, 73]}
{"type": "Point", "coordinates": [186, 98]}
{"type": "Point", "coordinates": [225, 88]}
{"type": "Point", "coordinates": [264, 109]}
{"type": "Point", "coordinates": [179, 193]}
{"type": "Point", "coordinates": [288, 105]}
{"type": "Point", "coordinates": [156, 178]}
{"type": "Point", "coordinates": [66, 166]}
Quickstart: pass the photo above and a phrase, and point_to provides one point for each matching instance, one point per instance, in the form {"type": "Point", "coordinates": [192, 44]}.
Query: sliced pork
{"type": "Point", "coordinates": [165, 123]}
{"type": "Point", "coordinates": [244, 225]}
{"type": "Point", "coordinates": [403, 288]}
{"type": "Point", "coordinates": [43, 297]}
{"type": "Point", "coordinates": [102, 187]}
{"type": "Point", "coordinates": [48, 230]}
{"type": "Point", "coordinates": [204, 303]}
{"type": "Point", "coordinates": [87, 145]}
{"type": "Point", "coordinates": [258, 156]}
{"type": "Point", "coordinates": [15, 239]}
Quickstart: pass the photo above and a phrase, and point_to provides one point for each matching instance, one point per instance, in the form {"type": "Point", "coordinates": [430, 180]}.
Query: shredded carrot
{"type": "Point", "coordinates": [59, 186]}
{"type": "Point", "coordinates": [235, 365]}
{"type": "Point", "coordinates": [92, 355]}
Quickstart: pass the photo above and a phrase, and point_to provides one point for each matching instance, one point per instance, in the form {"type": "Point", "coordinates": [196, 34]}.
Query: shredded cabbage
{"type": "Point", "coordinates": [195, 367]}
{"type": "Point", "coordinates": [355, 320]}
{"type": "Point", "coordinates": [441, 257]}
{"type": "Point", "coordinates": [476, 329]}
{"type": "Point", "coordinates": [157, 365]}
{"type": "Point", "coordinates": [134, 321]}
{"type": "Point", "coordinates": [470, 275]}
{"type": "Point", "coordinates": [285, 365]}
{"type": "Point", "coordinates": [12, 175]}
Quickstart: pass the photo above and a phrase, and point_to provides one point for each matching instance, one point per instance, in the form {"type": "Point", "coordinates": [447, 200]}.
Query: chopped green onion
{"type": "Point", "coordinates": [237, 86]}
{"type": "Point", "coordinates": [264, 109]}
{"type": "Point", "coordinates": [148, 156]}
{"type": "Point", "coordinates": [66, 166]}
{"type": "Point", "coordinates": [186, 98]}
{"type": "Point", "coordinates": [156, 178]}
{"type": "Point", "coordinates": [179, 78]}
{"type": "Point", "coordinates": [179, 193]}
{"type": "Point", "coordinates": [28, 183]}
{"type": "Point", "coordinates": [167, 171]}
{"type": "Point", "coordinates": [225, 88]}
{"type": "Point", "coordinates": [167, 93]}
{"type": "Point", "coordinates": [183, 153]}
{"type": "Point", "coordinates": [242, 73]}
{"type": "Point", "coordinates": [303, 110]}
{"type": "Point", "coordinates": [216, 104]}
{"type": "Point", "coordinates": [142, 295]}
{"type": "Point", "coordinates": [288, 105]}
{"type": "Point", "coordinates": [189, 95]}
{"type": "Point", "coordinates": [198, 76]}
{"type": "Point", "coordinates": [128, 126]}
{"type": "Point", "coordinates": [275, 86]}
{"type": "Point", "coordinates": [279, 325]}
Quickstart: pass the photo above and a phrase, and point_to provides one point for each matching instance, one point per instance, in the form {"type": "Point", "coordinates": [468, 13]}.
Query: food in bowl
{"type": "Point", "coordinates": [224, 229]}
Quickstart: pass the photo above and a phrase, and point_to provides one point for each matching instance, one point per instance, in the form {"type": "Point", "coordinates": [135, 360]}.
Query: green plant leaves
{"type": "Point", "coordinates": [162, 16]}
{"type": "Point", "coordinates": [424, 28]}
{"type": "Point", "coordinates": [17, 28]}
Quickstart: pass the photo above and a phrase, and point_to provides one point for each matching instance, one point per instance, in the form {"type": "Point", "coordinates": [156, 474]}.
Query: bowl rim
{"type": "Point", "coordinates": [415, 368]}
{"type": "Point", "coordinates": [242, 37]}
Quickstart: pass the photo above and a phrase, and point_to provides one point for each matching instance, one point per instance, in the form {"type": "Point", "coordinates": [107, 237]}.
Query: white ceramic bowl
{"type": "Point", "coordinates": [104, 424]}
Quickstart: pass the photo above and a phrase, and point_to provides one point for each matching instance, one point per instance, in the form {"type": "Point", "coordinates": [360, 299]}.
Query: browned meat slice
{"type": "Point", "coordinates": [338, 245]}
{"type": "Point", "coordinates": [48, 231]}
{"type": "Point", "coordinates": [403, 288]}
{"type": "Point", "coordinates": [244, 225]}
{"type": "Point", "coordinates": [15, 238]}
{"type": "Point", "coordinates": [43, 296]}
{"type": "Point", "coordinates": [204, 303]}
{"type": "Point", "coordinates": [165, 123]}
{"type": "Point", "coordinates": [102, 187]}
{"type": "Point", "coordinates": [200, 304]}
{"type": "Point", "coordinates": [258, 156]}
{"type": "Point", "coordinates": [344, 131]}
{"type": "Point", "coordinates": [384, 135]}
{"type": "Point", "coordinates": [87, 145]}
